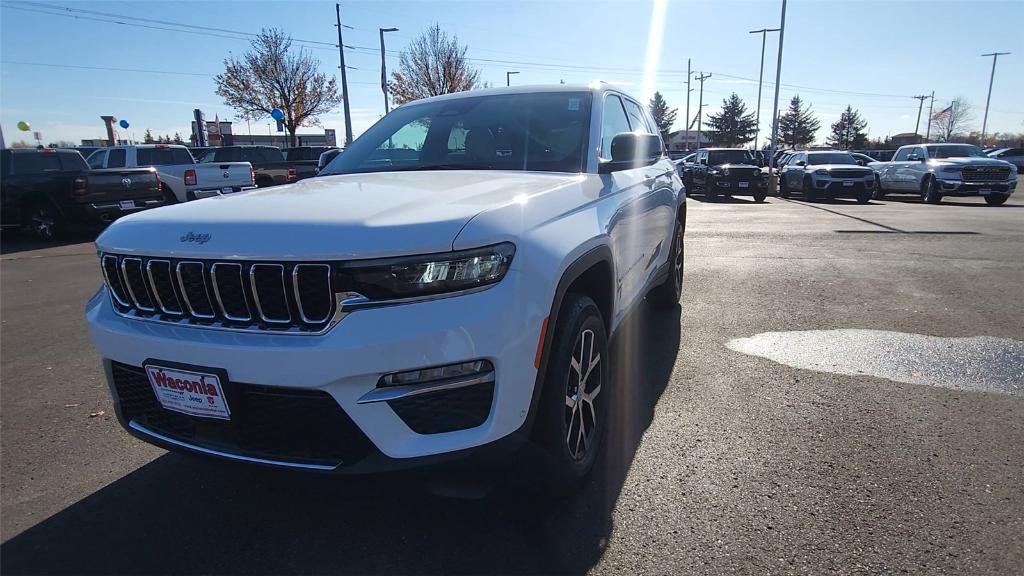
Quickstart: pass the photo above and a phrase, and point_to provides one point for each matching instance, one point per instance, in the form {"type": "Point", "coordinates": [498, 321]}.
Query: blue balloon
{"type": "Point", "coordinates": [123, 124]}
{"type": "Point", "coordinates": [277, 114]}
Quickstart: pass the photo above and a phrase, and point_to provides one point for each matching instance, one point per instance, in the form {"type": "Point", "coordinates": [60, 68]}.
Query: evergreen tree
{"type": "Point", "coordinates": [177, 138]}
{"type": "Point", "coordinates": [664, 116]}
{"type": "Point", "coordinates": [797, 126]}
{"type": "Point", "coordinates": [849, 131]}
{"type": "Point", "coordinates": [732, 126]}
{"type": "Point", "coordinates": [147, 138]}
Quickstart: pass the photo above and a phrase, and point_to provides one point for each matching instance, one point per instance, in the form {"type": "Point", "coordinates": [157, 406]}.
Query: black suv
{"type": "Point", "coordinates": [730, 172]}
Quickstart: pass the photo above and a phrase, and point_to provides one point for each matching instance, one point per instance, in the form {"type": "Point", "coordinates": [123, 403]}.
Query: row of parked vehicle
{"type": "Point", "coordinates": [46, 190]}
{"type": "Point", "coordinates": [932, 171]}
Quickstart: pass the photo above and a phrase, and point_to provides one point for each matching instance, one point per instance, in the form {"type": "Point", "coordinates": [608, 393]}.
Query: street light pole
{"type": "Point", "coordinates": [773, 181]}
{"type": "Point", "coordinates": [760, 79]}
{"type": "Point", "coordinates": [686, 134]}
{"type": "Point", "coordinates": [344, 79]}
{"type": "Point", "coordinates": [984, 123]}
{"type": "Point", "coordinates": [384, 67]}
{"type": "Point", "coordinates": [920, 105]}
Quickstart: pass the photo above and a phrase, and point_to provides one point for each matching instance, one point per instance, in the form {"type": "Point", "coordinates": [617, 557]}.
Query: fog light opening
{"type": "Point", "coordinates": [437, 374]}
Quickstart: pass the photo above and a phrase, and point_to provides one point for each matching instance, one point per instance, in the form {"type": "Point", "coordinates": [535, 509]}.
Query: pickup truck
{"type": "Point", "coordinates": [937, 170]}
{"type": "Point", "coordinates": [270, 168]}
{"type": "Point", "coordinates": [447, 287]}
{"type": "Point", "coordinates": [182, 178]}
{"type": "Point", "coordinates": [46, 191]}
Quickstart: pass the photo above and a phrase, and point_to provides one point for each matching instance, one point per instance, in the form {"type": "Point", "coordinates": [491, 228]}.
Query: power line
{"type": "Point", "coordinates": [139, 70]}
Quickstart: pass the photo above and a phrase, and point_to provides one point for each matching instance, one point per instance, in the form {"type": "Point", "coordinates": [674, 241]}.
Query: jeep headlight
{"type": "Point", "coordinates": [426, 275]}
{"type": "Point", "coordinates": [714, 172]}
{"type": "Point", "coordinates": [949, 168]}
{"type": "Point", "coordinates": [822, 172]}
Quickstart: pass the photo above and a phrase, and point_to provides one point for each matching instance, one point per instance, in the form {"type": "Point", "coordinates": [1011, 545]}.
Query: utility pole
{"type": "Point", "coordinates": [508, 76]}
{"type": "Point", "coordinates": [384, 67]}
{"type": "Point", "coordinates": [700, 105]}
{"type": "Point", "coordinates": [344, 80]}
{"type": "Point", "coordinates": [984, 123]}
{"type": "Point", "coordinates": [686, 134]}
{"type": "Point", "coordinates": [760, 79]}
{"type": "Point", "coordinates": [928, 131]}
{"type": "Point", "coordinates": [773, 180]}
{"type": "Point", "coordinates": [920, 105]}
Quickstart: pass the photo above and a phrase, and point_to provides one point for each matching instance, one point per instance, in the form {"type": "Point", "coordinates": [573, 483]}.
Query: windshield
{"type": "Point", "coordinates": [538, 132]}
{"type": "Point", "coordinates": [957, 151]}
{"type": "Point", "coordinates": [718, 157]}
{"type": "Point", "coordinates": [830, 158]}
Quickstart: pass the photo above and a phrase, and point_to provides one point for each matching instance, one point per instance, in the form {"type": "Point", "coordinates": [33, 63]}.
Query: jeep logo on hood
{"type": "Point", "coordinates": [197, 238]}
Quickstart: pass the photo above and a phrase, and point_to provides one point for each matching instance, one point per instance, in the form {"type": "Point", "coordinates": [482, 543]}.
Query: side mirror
{"type": "Point", "coordinates": [913, 158]}
{"type": "Point", "coordinates": [631, 150]}
{"type": "Point", "coordinates": [861, 163]}
{"type": "Point", "coordinates": [800, 163]}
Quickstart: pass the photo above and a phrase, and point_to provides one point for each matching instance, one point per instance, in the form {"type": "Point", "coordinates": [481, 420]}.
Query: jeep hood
{"type": "Point", "coordinates": [332, 217]}
{"type": "Point", "coordinates": [972, 161]}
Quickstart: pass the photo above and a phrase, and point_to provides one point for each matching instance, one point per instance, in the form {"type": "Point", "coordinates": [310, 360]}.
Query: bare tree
{"type": "Point", "coordinates": [952, 119]}
{"type": "Point", "coordinates": [433, 64]}
{"type": "Point", "coordinates": [271, 75]}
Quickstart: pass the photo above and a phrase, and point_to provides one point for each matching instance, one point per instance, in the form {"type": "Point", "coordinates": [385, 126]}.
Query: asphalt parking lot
{"type": "Point", "coordinates": [721, 461]}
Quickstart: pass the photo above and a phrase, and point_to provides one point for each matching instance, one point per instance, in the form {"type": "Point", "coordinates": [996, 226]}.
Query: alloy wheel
{"type": "Point", "coordinates": [582, 388]}
{"type": "Point", "coordinates": [42, 223]}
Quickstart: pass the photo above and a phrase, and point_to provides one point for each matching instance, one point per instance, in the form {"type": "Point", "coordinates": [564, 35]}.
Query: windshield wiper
{"type": "Point", "coordinates": [447, 166]}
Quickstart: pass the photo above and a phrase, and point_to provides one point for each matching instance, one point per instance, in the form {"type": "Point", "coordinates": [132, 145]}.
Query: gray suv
{"type": "Point", "coordinates": [826, 174]}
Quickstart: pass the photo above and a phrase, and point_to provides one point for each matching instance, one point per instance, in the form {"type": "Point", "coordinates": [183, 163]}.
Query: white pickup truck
{"type": "Point", "coordinates": [181, 177]}
{"type": "Point", "coordinates": [937, 170]}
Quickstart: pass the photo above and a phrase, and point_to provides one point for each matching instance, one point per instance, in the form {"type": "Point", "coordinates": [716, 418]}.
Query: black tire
{"type": "Point", "coordinates": [563, 413]}
{"type": "Point", "coordinates": [810, 194]}
{"type": "Point", "coordinates": [43, 221]}
{"type": "Point", "coordinates": [711, 192]}
{"type": "Point", "coordinates": [668, 293]}
{"type": "Point", "coordinates": [879, 194]}
{"type": "Point", "coordinates": [996, 199]}
{"type": "Point", "coordinates": [930, 192]}
{"type": "Point", "coordinates": [783, 191]}
{"type": "Point", "coordinates": [760, 196]}
{"type": "Point", "coordinates": [864, 197]}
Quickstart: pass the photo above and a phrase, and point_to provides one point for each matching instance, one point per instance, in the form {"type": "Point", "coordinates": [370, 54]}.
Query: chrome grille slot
{"type": "Point", "coordinates": [135, 282]}
{"type": "Point", "coordinates": [192, 283]}
{"type": "Point", "coordinates": [162, 283]}
{"type": "Point", "coordinates": [229, 289]}
{"type": "Point", "coordinates": [112, 275]}
{"type": "Point", "coordinates": [312, 286]}
{"type": "Point", "coordinates": [273, 297]}
{"type": "Point", "coordinates": [269, 291]}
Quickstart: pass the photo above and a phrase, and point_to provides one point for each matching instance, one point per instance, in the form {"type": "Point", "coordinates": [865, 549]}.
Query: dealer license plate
{"type": "Point", "coordinates": [226, 190]}
{"type": "Point", "coordinates": [188, 392]}
{"type": "Point", "coordinates": [985, 190]}
{"type": "Point", "coordinates": [744, 184]}
{"type": "Point", "coordinates": [848, 183]}
{"type": "Point", "coordinates": [127, 204]}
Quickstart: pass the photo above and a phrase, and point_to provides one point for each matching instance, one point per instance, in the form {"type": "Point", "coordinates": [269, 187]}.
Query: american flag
{"type": "Point", "coordinates": [943, 113]}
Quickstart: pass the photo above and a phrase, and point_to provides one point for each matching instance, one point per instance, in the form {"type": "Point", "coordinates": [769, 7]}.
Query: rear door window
{"type": "Point", "coordinates": [162, 156]}
{"type": "Point", "coordinates": [116, 159]}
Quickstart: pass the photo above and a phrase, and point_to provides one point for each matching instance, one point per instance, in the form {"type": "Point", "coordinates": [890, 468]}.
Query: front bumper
{"type": "Point", "coordinates": [841, 187]}
{"type": "Point", "coordinates": [738, 186]}
{"type": "Point", "coordinates": [957, 187]}
{"type": "Point", "coordinates": [346, 363]}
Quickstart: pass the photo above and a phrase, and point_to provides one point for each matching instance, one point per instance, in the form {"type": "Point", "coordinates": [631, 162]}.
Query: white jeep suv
{"type": "Point", "coordinates": [451, 280]}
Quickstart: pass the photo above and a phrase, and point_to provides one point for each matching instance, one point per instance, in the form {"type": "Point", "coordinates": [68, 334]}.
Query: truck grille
{"type": "Point", "coordinates": [271, 296]}
{"type": "Point", "coordinates": [985, 173]}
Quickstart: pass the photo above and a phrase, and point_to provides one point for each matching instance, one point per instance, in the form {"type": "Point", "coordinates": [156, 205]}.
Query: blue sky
{"type": "Point", "coordinates": [872, 55]}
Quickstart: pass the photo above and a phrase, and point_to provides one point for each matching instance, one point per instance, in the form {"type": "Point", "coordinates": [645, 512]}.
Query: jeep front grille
{"type": "Point", "coordinates": [985, 173]}
{"type": "Point", "coordinates": [290, 297]}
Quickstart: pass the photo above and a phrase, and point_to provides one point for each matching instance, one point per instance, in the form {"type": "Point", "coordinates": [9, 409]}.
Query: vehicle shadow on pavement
{"type": "Point", "coordinates": [13, 242]}
{"type": "Point", "coordinates": [722, 200]}
{"type": "Point", "coordinates": [183, 515]}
